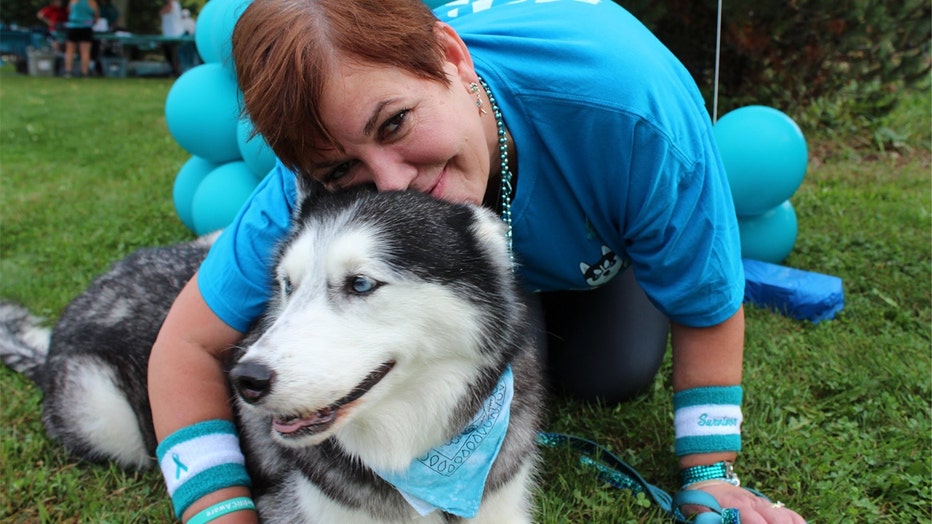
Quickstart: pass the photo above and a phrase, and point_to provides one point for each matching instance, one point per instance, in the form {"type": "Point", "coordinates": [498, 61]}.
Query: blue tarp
{"type": "Point", "coordinates": [799, 294]}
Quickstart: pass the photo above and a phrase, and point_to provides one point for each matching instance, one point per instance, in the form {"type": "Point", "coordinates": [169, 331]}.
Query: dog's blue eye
{"type": "Point", "coordinates": [287, 288]}
{"type": "Point", "coordinates": [362, 284]}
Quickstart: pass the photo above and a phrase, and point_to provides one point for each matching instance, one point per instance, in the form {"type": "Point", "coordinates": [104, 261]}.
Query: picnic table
{"type": "Point", "coordinates": [116, 49]}
{"type": "Point", "coordinates": [15, 42]}
{"type": "Point", "coordinates": [145, 42]}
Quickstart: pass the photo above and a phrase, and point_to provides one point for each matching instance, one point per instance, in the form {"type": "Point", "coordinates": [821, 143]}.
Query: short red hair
{"type": "Point", "coordinates": [283, 50]}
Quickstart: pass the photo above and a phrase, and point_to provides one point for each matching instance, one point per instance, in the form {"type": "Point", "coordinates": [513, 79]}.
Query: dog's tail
{"type": "Point", "coordinates": [24, 341]}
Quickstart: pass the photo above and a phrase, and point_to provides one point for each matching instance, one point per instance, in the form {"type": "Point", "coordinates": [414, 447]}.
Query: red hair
{"type": "Point", "coordinates": [283, 50]}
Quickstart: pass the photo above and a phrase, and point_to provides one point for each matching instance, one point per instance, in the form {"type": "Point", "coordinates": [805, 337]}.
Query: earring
{"type": "Point", "coordinates": [474, 89]}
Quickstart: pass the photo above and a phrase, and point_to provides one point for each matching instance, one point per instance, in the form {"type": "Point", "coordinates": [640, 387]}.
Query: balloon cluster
{"type": "Point", "coordinates": [202, 111]}
{"type": "Point", "coordinates": [765, 157]}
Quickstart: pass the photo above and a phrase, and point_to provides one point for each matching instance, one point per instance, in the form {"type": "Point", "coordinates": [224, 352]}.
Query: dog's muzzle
{"type": "Point", "coordinates": [253, 381]}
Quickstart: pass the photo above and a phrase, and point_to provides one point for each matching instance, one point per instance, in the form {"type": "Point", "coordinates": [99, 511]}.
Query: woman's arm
{"type": "Point", "coordinates": [710, 356]}
{"type": "Point", "coordinates": [713, 356]}
{"type": "Point", "coordinates": [186, 380]}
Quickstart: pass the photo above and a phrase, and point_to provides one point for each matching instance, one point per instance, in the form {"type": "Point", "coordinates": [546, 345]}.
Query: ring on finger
{"type": "Point", "coordinates": [731, 516]}
{"type": "Point", "coordinates": [778, 504]}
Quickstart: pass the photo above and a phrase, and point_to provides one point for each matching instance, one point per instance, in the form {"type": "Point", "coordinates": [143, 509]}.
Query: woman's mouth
{"type": "Point", "coordinates": [436, 190]}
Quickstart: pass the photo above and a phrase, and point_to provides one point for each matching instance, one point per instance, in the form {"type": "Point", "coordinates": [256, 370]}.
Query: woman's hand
{"type": "Point", "coordinates": [753, 509]}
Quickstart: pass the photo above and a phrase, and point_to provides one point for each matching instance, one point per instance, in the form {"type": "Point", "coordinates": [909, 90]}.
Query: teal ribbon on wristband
{"type": "Point", "coordinates": [708, 419]}
{"type": "Point", "coordinates": [222, 508]}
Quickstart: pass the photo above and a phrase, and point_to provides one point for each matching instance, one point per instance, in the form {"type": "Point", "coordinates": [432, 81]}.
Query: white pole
{"type": "Point", "coordinates": [718, 57]}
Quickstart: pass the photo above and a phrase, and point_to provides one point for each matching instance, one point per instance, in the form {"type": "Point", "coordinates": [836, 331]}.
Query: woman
{"type": "Point", "coordinates": [172, 25]}
{"type": "Point", "coordinates": [82, 15]}
{"type": "Point", "coordinates": [171, 18]}
{"type": "Point", "coordinates": [570, 119]}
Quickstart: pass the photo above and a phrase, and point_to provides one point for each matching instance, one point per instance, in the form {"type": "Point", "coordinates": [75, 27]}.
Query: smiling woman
{"type": "Point", "coordinates": [597, 160]}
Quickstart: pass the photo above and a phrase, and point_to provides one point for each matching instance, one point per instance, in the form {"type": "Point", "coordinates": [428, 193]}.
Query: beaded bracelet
{"type": "Point", "coordinates": [222, 508]}
{"type": "Point", "coordinates": [723, 471]}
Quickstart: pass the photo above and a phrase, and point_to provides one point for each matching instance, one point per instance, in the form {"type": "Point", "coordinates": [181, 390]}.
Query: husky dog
{"type": "Point", "coordinates": [92, 366]}
{"type": "Point", "coordinates": [395, 348]}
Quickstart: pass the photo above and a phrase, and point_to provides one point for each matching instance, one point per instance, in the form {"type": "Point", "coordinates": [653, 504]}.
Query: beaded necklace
{"type": "Point", "coordinates": [506, 176]}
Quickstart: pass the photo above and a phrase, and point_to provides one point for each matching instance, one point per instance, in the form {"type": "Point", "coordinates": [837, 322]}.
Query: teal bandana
{"type": "Point", "coordinates": [452, 477]}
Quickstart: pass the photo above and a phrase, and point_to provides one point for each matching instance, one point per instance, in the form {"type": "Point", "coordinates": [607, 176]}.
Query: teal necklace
{"type": "Point", "coordinates": [506, 175]}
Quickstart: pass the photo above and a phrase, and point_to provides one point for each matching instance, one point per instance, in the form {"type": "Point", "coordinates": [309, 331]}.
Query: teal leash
{"type": "Point", "coordinates": [609, 468]}
{"type": "Point", "coordinates": [614, 471]}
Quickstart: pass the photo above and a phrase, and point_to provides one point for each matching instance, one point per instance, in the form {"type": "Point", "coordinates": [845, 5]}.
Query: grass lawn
{"type": "Point", "coordinates": [837, 413]}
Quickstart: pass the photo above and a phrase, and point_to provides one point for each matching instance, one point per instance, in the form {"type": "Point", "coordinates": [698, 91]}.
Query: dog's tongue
{"type": "Point", "coordinates": [323, 416]}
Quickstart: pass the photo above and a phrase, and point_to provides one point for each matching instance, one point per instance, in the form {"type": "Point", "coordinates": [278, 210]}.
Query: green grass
{"type": "Point", "coordinates": [837, 413]}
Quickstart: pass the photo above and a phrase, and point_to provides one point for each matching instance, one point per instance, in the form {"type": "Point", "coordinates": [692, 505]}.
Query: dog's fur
{"type": "Point", "coordinates": [369, 284]}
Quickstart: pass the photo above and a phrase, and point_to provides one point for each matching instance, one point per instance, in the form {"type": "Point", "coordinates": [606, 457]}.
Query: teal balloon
{"type": "Point", "coordinates": [254, 149]}
{"type": "Point", "coordinates": [765, 157]}
{"type": "Point", "coordinates": [220, 196]}
{"type": "Point", "coordinates": [203, 38]}
{"type": "Point", "coordinates": [770, 236]}
{"type": "Point", "coordinates": [222, 24]}
{"type": "Point", "coordinates": [189, 177]}
{"type": "Point", "coordinates": [202, 111]}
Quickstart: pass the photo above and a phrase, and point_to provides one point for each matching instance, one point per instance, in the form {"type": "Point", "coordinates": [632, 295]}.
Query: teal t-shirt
{"type": "Point", "coordinates": [617, 166]}
{"type": "Point", "coordinates": [80, 14]}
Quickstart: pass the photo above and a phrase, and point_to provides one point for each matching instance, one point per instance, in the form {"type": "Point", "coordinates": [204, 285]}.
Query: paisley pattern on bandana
{"type": "Point", "coordinates": [452, 477]}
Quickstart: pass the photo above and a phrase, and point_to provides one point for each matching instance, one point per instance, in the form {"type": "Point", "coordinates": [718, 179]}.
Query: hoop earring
{"type": "Point", "coordinates": [474, 89]}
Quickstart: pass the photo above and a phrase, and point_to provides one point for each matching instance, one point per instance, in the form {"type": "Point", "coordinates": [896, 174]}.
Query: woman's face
{"type": "Point", "coordinates": [401, 132]}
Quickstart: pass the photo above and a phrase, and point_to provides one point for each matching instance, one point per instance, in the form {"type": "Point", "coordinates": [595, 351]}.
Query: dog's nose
{"type": "Point", "coordinates": [252, 380]}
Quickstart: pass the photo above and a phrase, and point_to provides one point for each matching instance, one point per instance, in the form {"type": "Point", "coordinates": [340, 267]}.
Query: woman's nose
{"type": "Point", "coordinates": [389, 173]}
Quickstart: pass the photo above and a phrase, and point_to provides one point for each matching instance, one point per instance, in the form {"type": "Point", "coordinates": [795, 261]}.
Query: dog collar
{"type": "Point", "coordinates": [452, 477]}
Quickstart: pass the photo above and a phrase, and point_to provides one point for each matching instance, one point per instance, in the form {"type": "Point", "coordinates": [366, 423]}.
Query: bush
{"type": "Point", "coordinates": [792, 55]}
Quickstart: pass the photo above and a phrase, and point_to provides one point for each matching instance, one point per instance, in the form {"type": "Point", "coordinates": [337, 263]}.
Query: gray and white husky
{"type": "Point", "coordinates": [395, 320]}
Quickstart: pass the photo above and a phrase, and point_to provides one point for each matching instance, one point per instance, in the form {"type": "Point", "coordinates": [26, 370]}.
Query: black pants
{"type": "Point", "coordinates": [608, 342]}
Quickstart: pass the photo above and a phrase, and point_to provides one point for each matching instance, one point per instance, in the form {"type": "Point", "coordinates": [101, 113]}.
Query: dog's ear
{"type": "Point", "coordinates": [309, 192]}
{"type": "Point", "coordinates": [307, 186]}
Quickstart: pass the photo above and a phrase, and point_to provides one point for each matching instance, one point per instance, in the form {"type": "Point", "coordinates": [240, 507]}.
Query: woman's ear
{"type": "Point", "coordinates": [455, 52]}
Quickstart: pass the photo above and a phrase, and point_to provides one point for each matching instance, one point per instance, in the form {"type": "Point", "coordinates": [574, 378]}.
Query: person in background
{"type": "Point", "coordinates": [187, 51]}
{"type": "Point", "coordinates": [82, 15]}
{"type": "Point", "coordinates": [54, 16]}
{"type": "Point", "coordinates": [171, 18]}
{"type": "Point", "coordinates": [187, 23]}
{"type": "Point", "coordinates": [110, 13]}
{"type": "Point", "coordinates": [172, 26]}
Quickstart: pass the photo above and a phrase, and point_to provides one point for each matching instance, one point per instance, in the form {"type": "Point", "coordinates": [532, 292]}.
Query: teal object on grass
{"type": "Point", "coordinates": [765, 157]}
{"type": "Point", "coordinates": [770, 236]}
{"type": "Point", "coordinates": [803, 295]}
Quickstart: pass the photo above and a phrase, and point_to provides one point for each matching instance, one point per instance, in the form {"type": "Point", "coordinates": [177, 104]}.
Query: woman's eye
{"type": "Point", "coordinates": [362, 285]}
{"type": "Point", "coordinates": [337, 173]}
{"type": "Point", "coordinates": [393, 124]}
